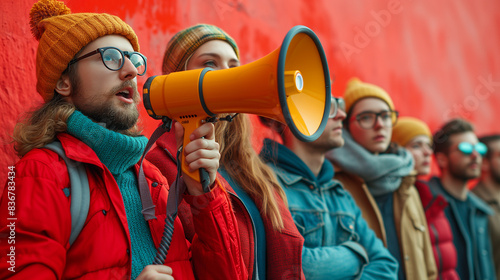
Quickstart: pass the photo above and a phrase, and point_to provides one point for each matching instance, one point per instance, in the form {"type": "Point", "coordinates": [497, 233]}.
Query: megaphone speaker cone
{"type": "Point", "coordinates": [290, 85]}
{"type": "Point", "coordinates": [306, 113]}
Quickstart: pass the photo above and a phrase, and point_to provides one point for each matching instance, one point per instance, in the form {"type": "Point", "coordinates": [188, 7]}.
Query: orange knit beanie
{"type": "Point", "coordinates": [357, 90]}
{"type": "Point", "coordinates": [62, 35]}
{"type": "Point", "coordinates": [408, 128]}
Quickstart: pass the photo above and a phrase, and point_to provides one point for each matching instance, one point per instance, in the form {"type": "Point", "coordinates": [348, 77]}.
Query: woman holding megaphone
{"type": "Point", "coordinates": [266, 229]}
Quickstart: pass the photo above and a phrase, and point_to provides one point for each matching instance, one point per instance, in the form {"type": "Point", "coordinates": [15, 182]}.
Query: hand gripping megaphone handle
{"type": "Point", "coordinates": [204, 179]}
{"type": "Point", "coordinates": [290, 85]}
{"type": "Point", "coordinates": [200, 175]}
{"type": "Point", "coordinates": [155, 93]}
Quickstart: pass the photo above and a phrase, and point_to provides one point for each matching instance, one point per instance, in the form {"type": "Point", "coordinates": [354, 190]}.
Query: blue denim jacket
{"type": "Point", "coordinates": [338, 242]}
{"type": "Point", "coordinates": [478, 247]}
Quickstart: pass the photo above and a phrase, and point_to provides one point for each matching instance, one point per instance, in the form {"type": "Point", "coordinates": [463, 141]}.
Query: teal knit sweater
{"type": "Point", "coordinates": [119, 153]}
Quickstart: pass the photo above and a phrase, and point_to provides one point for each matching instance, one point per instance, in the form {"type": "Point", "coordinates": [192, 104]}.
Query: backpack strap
{"type": "Point", "coordinates": [79, 189]}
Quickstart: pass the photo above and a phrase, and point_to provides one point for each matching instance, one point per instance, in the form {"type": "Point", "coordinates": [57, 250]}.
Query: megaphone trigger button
{"type": "Point", "coordinates": [210, 120]}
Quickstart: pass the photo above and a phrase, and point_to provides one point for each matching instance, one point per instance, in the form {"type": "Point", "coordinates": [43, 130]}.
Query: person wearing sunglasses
{"type": "Point", "coordinates": [338, 244]}
{"type": "Point", "coordinates": [459, 154]}
{"type": "Point", "coordinates": [87, 66]}
{"type": "Point", "coordinates": [415, 136]}
{"type": "Point", "coordinates": [379, 175]}
{"type": "Point", "coordinates": [488, 189]}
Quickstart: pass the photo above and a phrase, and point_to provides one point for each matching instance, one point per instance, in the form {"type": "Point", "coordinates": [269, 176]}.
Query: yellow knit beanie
{"type": "Point", "coordinates": [357, 90]}
{"type": "Point", "coordinates": [62, 35]}
{"type": "Point", "coordinates": [408, 128]}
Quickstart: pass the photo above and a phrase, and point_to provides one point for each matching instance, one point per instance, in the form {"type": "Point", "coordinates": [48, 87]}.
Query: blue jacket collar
{"type": "Point", "coordinates": [290, 179]}
{"type": "Point", "coordinates": [286, 159]}
{"type": "Point", "coordinates": [437, 188]}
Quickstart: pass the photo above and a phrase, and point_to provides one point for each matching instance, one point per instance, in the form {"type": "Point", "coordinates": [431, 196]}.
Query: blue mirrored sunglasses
{"type": "Point", "coordinates": [467, 148]}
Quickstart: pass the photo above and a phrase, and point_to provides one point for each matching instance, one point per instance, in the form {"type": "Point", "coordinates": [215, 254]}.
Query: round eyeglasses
{"type": "Point", "coordinates": [114, 58]}
{"type": "Point", "coordinates": [337, 103]}
{"type": "Point", "coordinates": [367, 120]}
{"type": "Point", "coordinates": [467, 148]}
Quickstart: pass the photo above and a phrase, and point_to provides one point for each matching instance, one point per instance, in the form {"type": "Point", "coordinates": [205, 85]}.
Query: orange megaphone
{"type": "Point", "coordinates": [290, 85]}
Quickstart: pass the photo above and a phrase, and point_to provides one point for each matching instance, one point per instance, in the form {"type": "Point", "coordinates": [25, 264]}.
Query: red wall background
{"type": "Point", "coordinates": [437, 59]}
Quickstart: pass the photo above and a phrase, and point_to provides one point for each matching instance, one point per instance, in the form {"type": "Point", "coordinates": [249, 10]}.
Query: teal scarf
{"type": "Point", "coordinates": [119, 153]}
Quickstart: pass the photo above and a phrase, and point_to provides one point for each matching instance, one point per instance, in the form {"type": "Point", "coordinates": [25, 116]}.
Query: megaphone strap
{"type": "Point", "coordinates": [148, 207]}
{"type": "Point", "coordinates": [177, 188]}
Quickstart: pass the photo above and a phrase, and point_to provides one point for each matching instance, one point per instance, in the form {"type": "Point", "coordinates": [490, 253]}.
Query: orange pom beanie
{"type": "Point", "coordinates": [357, 90]}
{"type": "Point", "coordinates": [62, 35]}
{"type": "Point", "coordinates": [408, 128]}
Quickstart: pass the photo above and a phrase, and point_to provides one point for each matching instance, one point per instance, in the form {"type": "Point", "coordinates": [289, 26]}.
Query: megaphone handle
{"type": "Point", "coordinates": [200, 175]}
{"type": "Point", "coordinates": [204, 179]}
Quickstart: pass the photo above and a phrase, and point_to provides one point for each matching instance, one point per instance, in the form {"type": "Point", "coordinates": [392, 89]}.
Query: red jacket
{"type": "Point", "coordinates": [445, 253]}
{"type": "Point", "coordinates": [102, 249]}
{"type": "Point", "coordinates": [284, 249]}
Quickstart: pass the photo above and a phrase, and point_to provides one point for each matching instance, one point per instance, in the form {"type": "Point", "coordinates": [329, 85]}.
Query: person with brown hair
{"type": "Point", "coordinates": [380, 177]}
{"type": "Point", "coordinates": [271, 245]}
{"type": "Point", "coordinates": [459, 155]}
{"type": "Point", "coordinates": [338, 242]}
{"type": "Point", "coordinates": [87, 66]}
{"type": "Point", "coordinates": [488, 189]}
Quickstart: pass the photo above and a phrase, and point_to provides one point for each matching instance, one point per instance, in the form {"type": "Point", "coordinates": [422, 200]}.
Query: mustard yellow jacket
{"type": "Point", "coordinates": [409, 217]}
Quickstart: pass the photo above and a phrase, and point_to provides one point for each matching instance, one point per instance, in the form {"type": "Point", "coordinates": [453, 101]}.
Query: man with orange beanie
{"type": "Point", "coordinates": [86, 67]}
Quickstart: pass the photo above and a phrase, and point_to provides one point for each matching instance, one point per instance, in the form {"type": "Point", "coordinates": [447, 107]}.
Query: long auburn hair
{"type": "Point", "coordinates": [244, 165]}
{"type": "Point", "coordinates": [237, 154]}
{"type": "Point", "coordinates": [41, 126]}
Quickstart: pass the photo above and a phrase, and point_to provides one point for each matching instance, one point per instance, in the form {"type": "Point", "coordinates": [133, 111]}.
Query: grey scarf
{"type": "Point", "coordinates": [382, 173]}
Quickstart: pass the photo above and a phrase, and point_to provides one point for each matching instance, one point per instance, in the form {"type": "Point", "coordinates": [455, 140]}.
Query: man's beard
{"type": "Point", "coordinates": [113, 117]}
{"type": "Point", "coordinates": [324, 143]}
{"type": "Point", "coordinates": [114, 120]}
{"type": "Point", "coordinates": [463, 174]}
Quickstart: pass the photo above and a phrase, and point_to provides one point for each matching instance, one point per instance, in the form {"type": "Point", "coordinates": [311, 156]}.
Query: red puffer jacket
{"type": "Point", "coordinates": [445, 253]}
{"type": "Point", "coordinates": [102, 249]}
{"type": "Point", "coordinates": [284, 249]}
